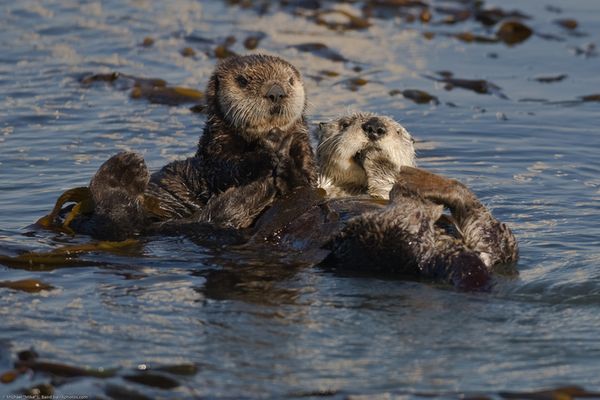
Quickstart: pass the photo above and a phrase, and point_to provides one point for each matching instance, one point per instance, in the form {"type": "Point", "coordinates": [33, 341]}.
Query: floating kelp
{"type": "Point", "coordinates": [64, 370]}
{"type": "Point", "coordinates": [148, 42]}
{"type": "Point", "coordinates": [492, 16]}
{"type": "Point", "coordinates": [167, 95]}
{"type": "Point", "coordinates": [550, 78]}
{"type": "Point", "coordinates": [222, 52]}
{"type": "Point", "coordinates": [152, 89]}
{"type": "Point", "coordinates": [26, 285]}
{"type": "Point", "coordinates": [565, 392]}
{"type": "Point", "coordinates": [329, 74]}
{"type": "Point", "coordinates": [353, 84]}
{"type": "Point", "coordinates": [320, 50]}
{"type": "Point", "coordinates": [84, 204]}
{"type": "Point", "coordinates": [567, 23]}
{"type": "Point", "coordinates": [29, 361]}
{"type": "Point", "coordinates": [590, 98]}
{"type": "Point", "coordinates": [67, 256]}
{"type": "Point", "coordinates": [513, 32]}
{"type": "Point", "coordinates": [187, 52]}
{"type": "Point", "coordinates": [350, 21]}
{"type": "Point", "coordinates": [480, 86]}
{"type": "Point", "coordinates": [10, 376]}
{"type": "Point", "coordinates": [252, 41]}
{"type": "Point", "coordinates": [418, 96]}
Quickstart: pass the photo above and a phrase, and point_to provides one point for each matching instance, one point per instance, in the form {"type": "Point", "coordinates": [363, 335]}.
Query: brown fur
{"type": "Point", "coordinates": [255, 147]}
{"type": "Point", "coordinates": [244, 143]}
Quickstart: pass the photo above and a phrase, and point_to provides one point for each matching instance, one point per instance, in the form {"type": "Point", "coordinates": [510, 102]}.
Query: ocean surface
{"type": "Point", "coordinates": [526, 139]}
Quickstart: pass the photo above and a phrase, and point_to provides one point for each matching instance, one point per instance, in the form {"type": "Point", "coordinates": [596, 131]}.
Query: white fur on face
{"type": "Point", "coordinates": [247, 108]}
{"type": "Point", "coordinates": [342, 139]}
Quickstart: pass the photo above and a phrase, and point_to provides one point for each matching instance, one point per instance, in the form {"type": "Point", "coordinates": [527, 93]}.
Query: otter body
{"type": "Point", "coordinates": [254, 148]}
{"type": "Point", "coordinates": [255, 124]}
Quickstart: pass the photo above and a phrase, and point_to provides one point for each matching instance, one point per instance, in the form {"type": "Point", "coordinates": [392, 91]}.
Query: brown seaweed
{"type": "Point", "coordinates": [567, 23]}
{"type": "Point", "coordinates": [154, 90]}
{"type": "Point", "coordinates": [480, 86]}
{"type": "Point", "coordinates": [64, 370]}
{"type": "Point", "coordinates": [169, 95]}
{"type": "Point", "coordinates": [590, 98]}
{"type": "Point", "coordinates": [565, 392]}
{"type": "Point", "coordinates": [352, 22]}
{"type": "Point", "coordinates": [320, 50]}
{"type": "Point", "coordinates": [26, 285]}
{"type": "Point", "coordinates": [80, 195]}
{"type": "Point", "coordinates": [419, 96]}
{"type": "Point", "coordinates": [67, 255]}
{"type": "Point", "coordinates": [513, 32]}
{"type": "Point", "coordinates": [492, 16]}
{"type": "Point", "coordinates": [187, 52]}
{"type": "Point", "coordinates": [252, 41]}
{"type": "Point", "coordinates": [551, 78]}
{"type": "Point", "coordinates": [148, 42]}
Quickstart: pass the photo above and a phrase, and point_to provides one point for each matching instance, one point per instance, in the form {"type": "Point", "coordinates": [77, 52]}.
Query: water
{"type": "Point", "coordinates": [265, 331]}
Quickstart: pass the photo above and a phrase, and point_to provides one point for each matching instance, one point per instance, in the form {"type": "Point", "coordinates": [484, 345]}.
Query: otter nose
{"type": "Point", "coordinates": [374, 128]}
{"type": "Point", "coordinates": [275, 93]}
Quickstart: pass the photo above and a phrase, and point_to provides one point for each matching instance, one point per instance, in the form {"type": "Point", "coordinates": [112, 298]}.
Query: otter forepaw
{"type": "Point", "coordinates": [433, 187]}
{"type": "Point", "coordinates": [125, 171]}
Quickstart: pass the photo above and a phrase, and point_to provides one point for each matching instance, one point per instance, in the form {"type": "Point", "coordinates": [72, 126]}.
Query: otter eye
{"type": "Point", "coordinates": [291, 81]}
{"type": "Point", "coordinates": [344, 124]}
{"type": "Point", "coordinates": [242, 81]}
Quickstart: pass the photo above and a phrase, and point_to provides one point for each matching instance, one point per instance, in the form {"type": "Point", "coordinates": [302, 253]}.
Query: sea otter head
{"type": "Point", "coordinates": [256, 93]}
{"type": "Point", "coordinates": [356, 150]}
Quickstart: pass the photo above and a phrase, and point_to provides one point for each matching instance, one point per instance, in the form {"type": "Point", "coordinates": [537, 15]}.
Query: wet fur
{"type": "Point", "coordinates": [352, 163]}
{"type": "Point", "coordinates": [405, 240]}
{"type": "Point", "coordinates": [234, 150]}
{"type": "Point", "coordinates": [249, 144]}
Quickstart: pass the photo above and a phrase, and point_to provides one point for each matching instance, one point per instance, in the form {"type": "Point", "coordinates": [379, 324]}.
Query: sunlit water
{"type": "Point", "coordinates": [262, 331]}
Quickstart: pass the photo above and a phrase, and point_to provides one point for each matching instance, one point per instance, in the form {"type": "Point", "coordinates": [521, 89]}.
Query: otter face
{"type": "Point", "coordinates": [363, 152]}
{"type": "Point", "coordinates": [256, 93]}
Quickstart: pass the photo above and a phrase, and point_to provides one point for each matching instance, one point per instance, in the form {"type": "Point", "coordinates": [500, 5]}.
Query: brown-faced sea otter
{"type": "Point", "coordinates": [255, 147]}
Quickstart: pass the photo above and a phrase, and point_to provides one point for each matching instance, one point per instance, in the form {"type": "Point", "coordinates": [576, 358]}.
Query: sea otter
{"type": "Point", "coordinates": [362, 153]}
{"type": "Point", "coordinates": [254, 148]}
{"type": "Point", "coordinates": [255, 131]}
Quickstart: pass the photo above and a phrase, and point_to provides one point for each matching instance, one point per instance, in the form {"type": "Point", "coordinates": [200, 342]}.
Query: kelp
{"type": "Point", "coordinates": [320, 50]}
{"type": "Point", "coordinates": [66, 256]}
{"type": "Point", "coordinates": [26, 285]}
{"type": "Point", "coordinates": [155, 90]}
{"type": "Point", "coordinates": [480, 86]}
{"type": "Point", "coordinates": [84, 204]}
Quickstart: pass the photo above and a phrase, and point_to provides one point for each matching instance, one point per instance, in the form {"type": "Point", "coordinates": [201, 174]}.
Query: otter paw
{"type": "Point", "coordinates": [125, 171]}
{"type": "Point", "coordinates": [433, 187]}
